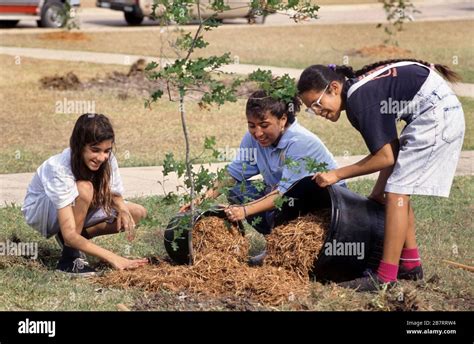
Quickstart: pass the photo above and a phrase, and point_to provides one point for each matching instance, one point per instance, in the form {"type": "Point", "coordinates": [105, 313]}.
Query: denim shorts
{"type": "Point", "coordinates": [94, 216]}
{"type": "Point", "coordinates": [430, 143]}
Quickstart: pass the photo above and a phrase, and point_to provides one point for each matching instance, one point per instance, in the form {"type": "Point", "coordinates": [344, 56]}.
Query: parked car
{"type": "Point", "coordinates": [136, 10]}
{"type": "Point", "coordinates": [48, 13]}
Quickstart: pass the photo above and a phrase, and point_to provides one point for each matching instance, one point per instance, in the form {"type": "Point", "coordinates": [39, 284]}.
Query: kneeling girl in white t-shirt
{"type": "Point", "coordinates": [77, 195]}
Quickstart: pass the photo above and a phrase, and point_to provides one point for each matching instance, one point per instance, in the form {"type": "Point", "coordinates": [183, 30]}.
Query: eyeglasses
{"type": "Point", "coordinates": [316, 107]}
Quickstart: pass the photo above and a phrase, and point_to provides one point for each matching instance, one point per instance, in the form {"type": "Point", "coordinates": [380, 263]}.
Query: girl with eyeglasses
{"type": "Point", "coordinates": [420, 161]}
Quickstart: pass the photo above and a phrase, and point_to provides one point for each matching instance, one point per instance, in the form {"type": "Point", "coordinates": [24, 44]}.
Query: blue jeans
{"type": "Point", "coordinates": [244, 192]}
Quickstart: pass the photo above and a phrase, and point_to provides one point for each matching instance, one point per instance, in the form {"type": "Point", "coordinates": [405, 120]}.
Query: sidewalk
{"type": "Point", "coordinates": [145, 181]}
{"type": "Point", "coordinates": [461, 89]}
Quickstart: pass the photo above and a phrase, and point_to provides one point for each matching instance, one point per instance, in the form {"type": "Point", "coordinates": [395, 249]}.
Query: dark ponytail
{"type": "Point", "coordinates": [444, 70]}
{"type": "Point", "coordinates": [317, 77]}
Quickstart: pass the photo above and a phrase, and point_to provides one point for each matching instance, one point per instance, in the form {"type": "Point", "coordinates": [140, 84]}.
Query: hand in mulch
{"type": "Point", "coordinates": [121, 263]}
{"type": "Point", "coordinates": [236, 213]}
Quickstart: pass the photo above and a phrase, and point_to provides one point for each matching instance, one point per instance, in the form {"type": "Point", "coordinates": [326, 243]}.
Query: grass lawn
{"type": "Point", "coordinates": [444, 231]}
{"type": "Point", "coordinates": [32, 131]}
{"type": "Point", "coordinates": [438, 42]}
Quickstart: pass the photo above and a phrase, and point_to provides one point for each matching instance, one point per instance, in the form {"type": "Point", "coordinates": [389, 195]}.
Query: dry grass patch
{"type": "Point", "coordinates": [32, 131]}
{"type": "Point", "coordinates": [290, 46]}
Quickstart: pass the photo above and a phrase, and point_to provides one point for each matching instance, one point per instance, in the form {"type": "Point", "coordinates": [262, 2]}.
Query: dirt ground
{"type": "Point", "coordinates": [135, 82]}
{"type": "Point", "coordinates": [64, 36]}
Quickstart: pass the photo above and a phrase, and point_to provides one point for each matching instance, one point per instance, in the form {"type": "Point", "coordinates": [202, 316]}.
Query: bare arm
{"type": "Point", "coordinates": [73, 239]}
{"type": "Point", "coordinates": [378, 191]}
{"type": "Point", "coordinates": [384, 158]}
{"type": "Point", "coordinates": [262, 204]}
{"type": "Point", "coordinates": [265, 203]}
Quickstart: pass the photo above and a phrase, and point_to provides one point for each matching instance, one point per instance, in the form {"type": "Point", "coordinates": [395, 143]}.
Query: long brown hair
{"type": "Point", "coordinates": [91, 129]}
{"type": "Point", "coordinates": [316, 77]}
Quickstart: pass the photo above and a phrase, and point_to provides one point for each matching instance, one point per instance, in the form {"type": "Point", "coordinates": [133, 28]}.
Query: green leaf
{"type": "Point", "coordinates": [279, 88]}
{"type": "Point", "coordinates": [280, 201]}
{"type": "Point", "coordinates": [293, 165]}
{"type": "Point", "coordinates": [203, 179]}
{"type": "Point", "coordinates": [219, 5]}
{"type": "Point", "coordinates": [209, 142]}
{"type": "Point", "coordinates": [187, 41]}
{"type": "Point", "coordinates": [256, 221]}
{"type": "Point", "coordinates": [211, 23]}
{"type": "Point", "coordinates": [259, 185]}
{"type": "Point", "coordinates": [150, 66]}
{"type": "Point", "coordinates": [313, 166]}
{"type": "Point", "coordinates": [171, 165]}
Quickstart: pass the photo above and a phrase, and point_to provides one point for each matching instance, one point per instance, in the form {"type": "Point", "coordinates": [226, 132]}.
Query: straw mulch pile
{"type": "Point", "coordinates": [295, 246]}
{"type": "Point", "coordinates": [220, 264]}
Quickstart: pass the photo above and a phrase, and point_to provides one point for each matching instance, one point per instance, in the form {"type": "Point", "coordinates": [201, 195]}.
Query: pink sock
{"type": "Point", "coordinates": [387, 272]}
{"type": "Point", "coordinates": [410, 258]}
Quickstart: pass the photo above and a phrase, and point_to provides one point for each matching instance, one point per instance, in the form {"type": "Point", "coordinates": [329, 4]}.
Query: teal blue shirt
{"type": "Point", "coordinates": [296, 145]}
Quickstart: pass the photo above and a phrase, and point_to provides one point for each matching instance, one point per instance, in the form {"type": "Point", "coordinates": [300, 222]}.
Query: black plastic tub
{"type": "Point", "coordinates": [354, 240]}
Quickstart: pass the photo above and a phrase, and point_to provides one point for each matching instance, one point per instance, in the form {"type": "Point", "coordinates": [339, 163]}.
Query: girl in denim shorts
{"type": "Point", "coordinates": [420, 161]}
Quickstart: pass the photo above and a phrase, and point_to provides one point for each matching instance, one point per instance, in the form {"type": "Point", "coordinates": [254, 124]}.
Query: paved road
{"type": "Point", "coordinates": [98, 19]}
{"type": "Point", "coordinates": [144, 181]}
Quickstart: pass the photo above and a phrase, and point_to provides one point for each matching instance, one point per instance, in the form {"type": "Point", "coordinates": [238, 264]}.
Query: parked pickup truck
{"type": "Point", "coordinates": [136, 10]}
{"type": "Point", "coordinates": [47, 13]}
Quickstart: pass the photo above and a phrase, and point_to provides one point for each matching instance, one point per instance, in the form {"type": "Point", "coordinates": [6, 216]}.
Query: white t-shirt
{"type": "Point", "coordinates": [54, 181]}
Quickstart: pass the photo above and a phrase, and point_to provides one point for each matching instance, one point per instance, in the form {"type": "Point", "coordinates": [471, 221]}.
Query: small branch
{"type": "Point", "coordinates": [168, 89]}
{"type": "Point", "coordinates": [195, 90]}
{"type": "Point", "coordinates": [122, 307]}
{"type": "Point", "coordinates": [459, 265]}
{"type": "Point", "coordinates": [188, 170]}
{"type": "Point", "coordinates": [198, 3]}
